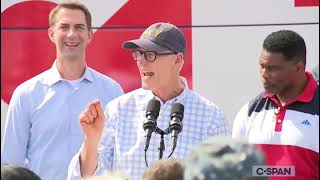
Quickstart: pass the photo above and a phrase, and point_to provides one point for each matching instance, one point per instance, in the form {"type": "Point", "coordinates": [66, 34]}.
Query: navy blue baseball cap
{"type": "Point", "coordinates": [159, 37]}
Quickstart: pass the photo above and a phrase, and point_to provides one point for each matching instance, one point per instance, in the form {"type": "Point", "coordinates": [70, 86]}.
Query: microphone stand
{"type": "Point", "coordinates": [161, 146]}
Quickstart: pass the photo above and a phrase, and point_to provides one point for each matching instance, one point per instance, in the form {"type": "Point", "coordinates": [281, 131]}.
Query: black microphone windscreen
{"type": "Point", "coordinates": [153, 107]}
{"type": "Point", "coordinates": [177, 108]}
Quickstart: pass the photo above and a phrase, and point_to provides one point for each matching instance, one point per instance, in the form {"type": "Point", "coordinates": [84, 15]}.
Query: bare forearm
{"type": "Point", "coordinates": [88, 158]}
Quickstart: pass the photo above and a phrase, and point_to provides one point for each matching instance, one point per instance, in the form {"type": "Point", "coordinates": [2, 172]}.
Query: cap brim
{"type": "Point", "coordinates": [146, 44]}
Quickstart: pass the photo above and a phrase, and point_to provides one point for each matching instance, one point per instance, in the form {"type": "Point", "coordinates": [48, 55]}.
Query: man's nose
{"type": "Point", "coordinates": [264, 73]}
{"type": "Point", "coordinates": [71, 32]}
{"type": "Point", "coordinates": [141, 58]}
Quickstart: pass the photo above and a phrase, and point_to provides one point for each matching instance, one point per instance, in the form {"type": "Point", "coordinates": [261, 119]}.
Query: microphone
{"type": "Point", "coordinates": [175, 126]}
{"type": "Point", "coordinates": [150, 124]}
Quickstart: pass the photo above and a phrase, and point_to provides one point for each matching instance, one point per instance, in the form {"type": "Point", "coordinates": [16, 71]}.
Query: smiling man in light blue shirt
{"type": "Point", "coordinates": [42, 132]}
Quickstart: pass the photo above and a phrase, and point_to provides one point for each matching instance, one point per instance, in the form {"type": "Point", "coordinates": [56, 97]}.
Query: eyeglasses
{"type": "Point", "coordinates": [148, 55]}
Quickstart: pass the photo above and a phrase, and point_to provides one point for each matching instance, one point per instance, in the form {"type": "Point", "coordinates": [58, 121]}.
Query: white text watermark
{"type": "Point", "coordinates": [273, 171]}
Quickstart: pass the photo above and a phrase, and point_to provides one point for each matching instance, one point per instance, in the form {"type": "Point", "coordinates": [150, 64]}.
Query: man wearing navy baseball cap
{"type": "Point", "coordinates": [119, 132]}
{"type": "Point", "coordinates": [159, 37]}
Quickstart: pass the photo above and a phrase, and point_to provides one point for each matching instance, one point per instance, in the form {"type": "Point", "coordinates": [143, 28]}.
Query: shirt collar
{"type": "Point", "coordinates": [53, 76]}
{"type": "Point", "coordinates": [308, 92]}
{"type": "Point", "coordinates": [180, 98]}
{"type": "Point", "coordinates": [88, 74]}
{"type": "Point", "coordinates": [306, 95]}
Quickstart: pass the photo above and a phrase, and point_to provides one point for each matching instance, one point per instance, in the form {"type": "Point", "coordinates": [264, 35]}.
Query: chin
{"type": "Point", "coordinates": [271, 90]}
{"type": "Point", "coordinates": [146, 86]}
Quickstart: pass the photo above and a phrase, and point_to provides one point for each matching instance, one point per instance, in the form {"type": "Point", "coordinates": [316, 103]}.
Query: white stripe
{"type": "Point", "coordinates": [260, 129]}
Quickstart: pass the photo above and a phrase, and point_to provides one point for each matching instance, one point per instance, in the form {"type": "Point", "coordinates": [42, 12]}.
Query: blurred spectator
{"type": "Point", "coordinates": [165, 169]}
{"type": "Point", "coordinates": [9, 172]}
{"type": "Point", "coordinates": [223, 158]}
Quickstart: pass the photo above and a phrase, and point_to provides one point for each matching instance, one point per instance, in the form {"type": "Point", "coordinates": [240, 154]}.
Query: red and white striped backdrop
{"type": "Point", "coordinates": [223, 41]}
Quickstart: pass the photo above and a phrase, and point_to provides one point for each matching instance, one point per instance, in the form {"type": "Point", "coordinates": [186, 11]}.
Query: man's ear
{"type": "Point", "coordinates": [180, 61]}
{"type": "Point", "coordinates": [90, 34]}
{"type": "Point", "coordinates": [50, 34]}
{"type": "Point", "coordinates": [300, 66]}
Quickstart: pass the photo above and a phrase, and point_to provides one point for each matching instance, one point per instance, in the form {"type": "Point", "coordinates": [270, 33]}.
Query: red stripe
{"type": "Point", "coordinates": [306, 161]}
{"type": "Point", "coordinates": [301, 3]}
{"type": "Point", "coordinates": [20, 61]}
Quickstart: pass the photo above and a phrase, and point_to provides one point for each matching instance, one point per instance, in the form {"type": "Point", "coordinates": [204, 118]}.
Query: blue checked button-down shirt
{"type": "Point", "coordinates": [122, 143]}
{"type": "Point", "coordinates": [42, 128]}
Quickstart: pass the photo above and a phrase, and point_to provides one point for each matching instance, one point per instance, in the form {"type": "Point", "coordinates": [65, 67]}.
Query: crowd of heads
{"type": "Point", "coordinates": [10, 172]}
{"type": "Point", "coordinates": [218, 158]}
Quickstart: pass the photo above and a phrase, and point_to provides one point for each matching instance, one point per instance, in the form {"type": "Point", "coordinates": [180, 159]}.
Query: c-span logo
{"type": "Point", "coordinates": [273, 171]}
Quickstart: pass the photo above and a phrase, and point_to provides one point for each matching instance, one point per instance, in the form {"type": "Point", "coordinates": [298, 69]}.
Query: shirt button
{"type": "Point", "coordinates": [279, 120]}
